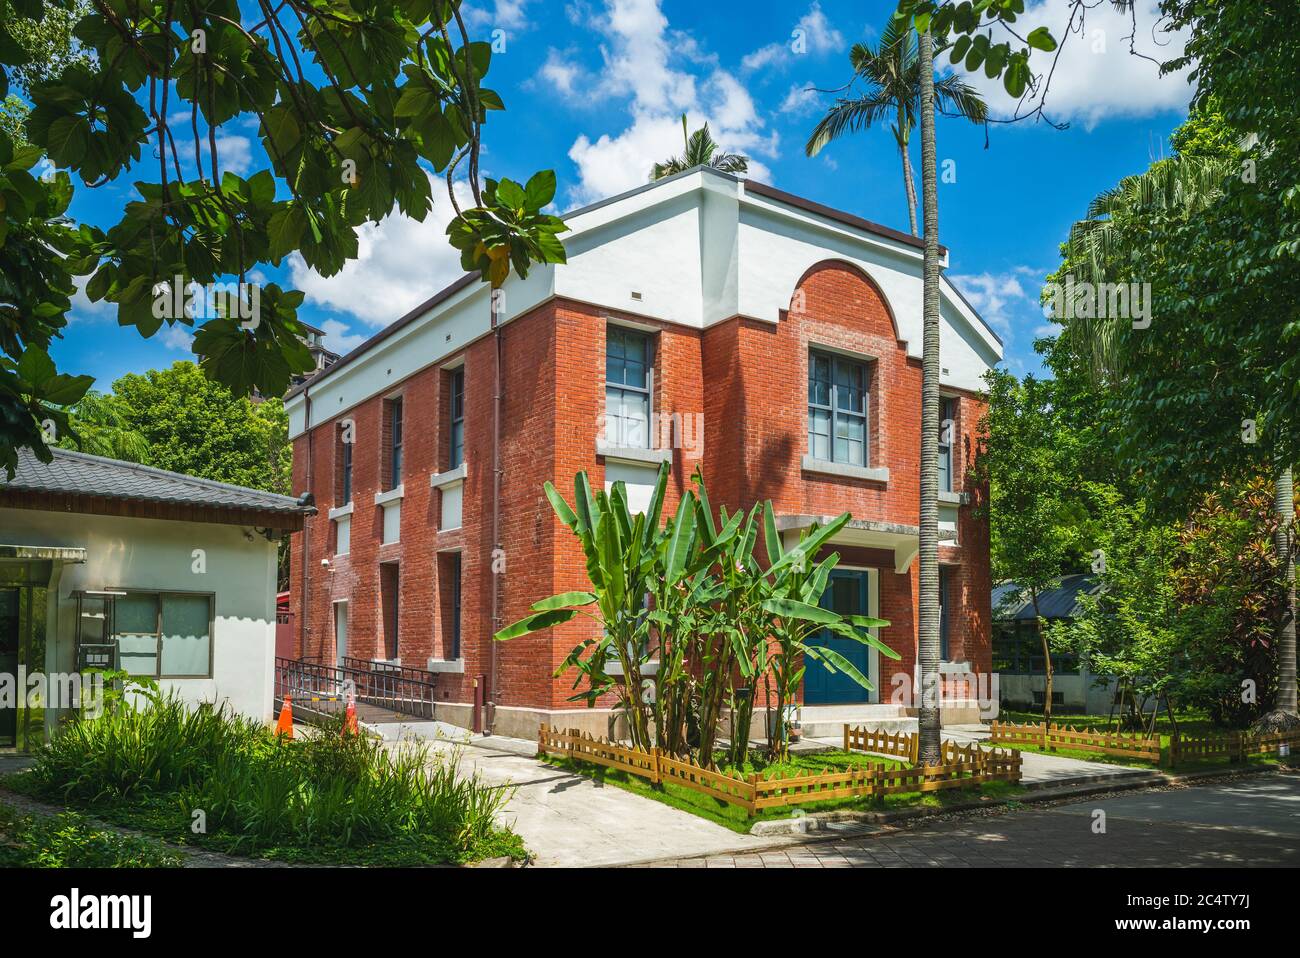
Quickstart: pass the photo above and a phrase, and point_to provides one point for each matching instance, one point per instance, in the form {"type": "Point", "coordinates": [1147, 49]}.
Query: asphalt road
{"type": "Point", "coordinates": [1253, 821]}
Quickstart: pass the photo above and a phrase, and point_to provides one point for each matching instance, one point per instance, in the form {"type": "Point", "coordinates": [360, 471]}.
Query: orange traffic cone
{"type": "Point", "coordinates": [285, 724]}
{"type": "Point", "coordinates": [350, 718]}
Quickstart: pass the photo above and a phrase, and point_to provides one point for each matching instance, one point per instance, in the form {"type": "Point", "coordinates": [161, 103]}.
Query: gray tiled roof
{"type": "Point", "coordinates": [1061, 601]}
{"type": "Point", "coordinates": [76, 473]}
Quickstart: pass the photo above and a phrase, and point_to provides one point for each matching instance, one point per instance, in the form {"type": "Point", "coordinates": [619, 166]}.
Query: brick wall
{"type": "Point", "coordinates": [746, 379]}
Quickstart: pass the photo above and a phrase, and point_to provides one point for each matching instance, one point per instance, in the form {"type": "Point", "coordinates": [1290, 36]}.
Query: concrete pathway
{"type": "Point", "coordinates": [1250, 822]}
{"type": "Point", "coordinates": [569, 820]}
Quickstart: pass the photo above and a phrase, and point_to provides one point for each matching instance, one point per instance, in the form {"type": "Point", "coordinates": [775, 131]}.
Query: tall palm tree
{"type": "Point", "coordinates": [1183, 185]}
{"type": "Point", "coordinates": [892, 75]}
{"type": "Point", "coordinates": [701, 150]}
{"type": "Point", "coordinates": [928, 642]}
{"type": "Point", "coordinates": [102, 430]}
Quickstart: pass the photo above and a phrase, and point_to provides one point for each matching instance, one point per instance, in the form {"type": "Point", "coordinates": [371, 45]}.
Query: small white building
{"type": "Point", "coordinates": [115, 565]}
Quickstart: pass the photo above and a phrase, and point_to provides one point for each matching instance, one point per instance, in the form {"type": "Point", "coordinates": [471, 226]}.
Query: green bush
{"type": "Point", "coordinates": [69, 840]}
{"type": "Point", "coordinates": [259, 792]}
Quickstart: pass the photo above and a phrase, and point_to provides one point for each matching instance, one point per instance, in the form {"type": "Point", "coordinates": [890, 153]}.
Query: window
{"type": "Point", "coordinates": [456, 453]}
{"type": "Point", "coordinates": [629, 362]}
{"type": "Point", "coordinates": [345, 471]}
{"type": "Point", "coordinates": [395, 443]}
{"type": "Point", "coordinates": [342, 535]}
{"type": "Point", "coordinates": [455, 607]}
{"type": "Point", "coordinates": [1018, 650]}
{"type": "Point", "coordinates": [164, 634]}
{"type": "Point", "coordinates": [945, 587]}
{"type": "Point", "coordinates": [947, 437]}
{"type": "Point", "coordinates": [837, 409]}
{"type": "Point", "coordinates": [388, 590]}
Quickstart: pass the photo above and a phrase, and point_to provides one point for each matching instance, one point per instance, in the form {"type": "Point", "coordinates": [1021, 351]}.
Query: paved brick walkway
{"type": "Point", "coordinates": [1248, 823]}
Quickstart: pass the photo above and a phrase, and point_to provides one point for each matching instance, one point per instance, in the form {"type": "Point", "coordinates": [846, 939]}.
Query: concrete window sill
{"type": "Point", "coordinates": [454, 666]}
{"type": "Point", "coordinates": [392, 495]}
{"type": "Point", "coordinates": [634, 454]}
{"type": "Point", "coordinates": [441, 479]}
{"type": "Point", "coordinates": [844, 470]}
{"type": "Point", "coordinates": [954, 498]}
{"type": "Point", "coordinates": [341, 511]}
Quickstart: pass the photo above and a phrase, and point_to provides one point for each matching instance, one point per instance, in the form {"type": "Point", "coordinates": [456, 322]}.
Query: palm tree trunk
{"type": "Point", "coordinates": [1284, 717]}
{"type": "Point", "coordinates": [928, 717]}
{"type": "Point", "coordinates": [908, 183]}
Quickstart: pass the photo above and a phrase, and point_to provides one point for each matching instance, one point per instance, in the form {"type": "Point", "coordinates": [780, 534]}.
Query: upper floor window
{"type": "Point", "coordinates": [837, 409]}
{"type": "Point", "coordinates": [947, 435]}
{"type": "Point", "coordinates": [456, 451]}
{"type": "Point", "coordinates": [345, 468]}
{"type": "Point", "coordinates": [629, 377]}
{"type": "Point", "coordinates": [395, 443]}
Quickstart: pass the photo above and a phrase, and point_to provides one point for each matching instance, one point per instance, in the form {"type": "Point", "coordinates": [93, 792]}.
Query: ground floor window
{"type": "Point", "coordinates": [945, 616]}
{"type": "Point", "coordinates": [164, 634]}
{"type": "Point", "coordinates": [1018, 649]}
{"type": "Point", "coordinates": [389, 582]}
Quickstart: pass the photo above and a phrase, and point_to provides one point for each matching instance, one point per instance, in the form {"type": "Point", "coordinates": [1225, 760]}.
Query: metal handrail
{"type": "Point", "coordinates": [318, 684]}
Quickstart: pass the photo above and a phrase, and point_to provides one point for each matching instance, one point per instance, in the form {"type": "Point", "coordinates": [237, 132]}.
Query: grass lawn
{"type": "Point", "coordinates": [69, 840]}
{"type": "Point", "coordinates": [730, 816]}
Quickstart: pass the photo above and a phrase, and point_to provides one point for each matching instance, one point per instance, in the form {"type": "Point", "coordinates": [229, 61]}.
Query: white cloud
{"type": "Point", "coordinates": [560, 73]}
{"type": "Point", "coordinates": [502, 14]}
{"type": "Point", "coordinates": [1002, 296]}
{"type": "Point", "coordinates": [1097, 77]}
{"type": "Point", "coordinates": [400, 263]}
{"type": "Point", "coordinates": [177, 336]}
{"type": "Point", "coordinates": [800, 100]}
{"type": "Point", "coordinates": [648, 63]}
{"type": "Point", "coordinates": [812, 34]}
{"type": "Point", "coordinates": [84, 311]}
{"type": "Point", "coordinates": [234, 153]}
{"type": "Point", "coordinates": [338, 338]}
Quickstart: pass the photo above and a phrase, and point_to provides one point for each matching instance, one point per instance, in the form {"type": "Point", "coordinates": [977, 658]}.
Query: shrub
{"type": "Point", "coordinates": [261, 792]}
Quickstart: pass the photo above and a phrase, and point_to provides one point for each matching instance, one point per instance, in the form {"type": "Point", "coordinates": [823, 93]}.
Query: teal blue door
{"type": "Point", "coordinates": [846, 594]}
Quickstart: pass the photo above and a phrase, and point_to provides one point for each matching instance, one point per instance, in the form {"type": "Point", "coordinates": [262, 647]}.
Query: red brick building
{"type": "Point", "coordinates": [701, 320]}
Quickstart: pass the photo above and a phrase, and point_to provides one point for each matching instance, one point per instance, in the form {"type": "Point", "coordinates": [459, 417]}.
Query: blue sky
{"type": "Point", "coordinates": [594, 89]}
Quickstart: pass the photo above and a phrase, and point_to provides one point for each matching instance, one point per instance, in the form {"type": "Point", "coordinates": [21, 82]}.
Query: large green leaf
{"type": "Point", "coordinates": [563, 600]}
{"type": "Point", "coordinates": [794, 609]}
{"type": "Point", "coordinates": [534, 623]}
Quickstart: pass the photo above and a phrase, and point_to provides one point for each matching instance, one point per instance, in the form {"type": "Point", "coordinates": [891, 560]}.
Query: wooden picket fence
{"type": "Point", "coordinates": [1129, 744]}
{"type": "Point", "coordinates": [963, 766]}
{"type": "Point", "coordinates": [902, 745]}
{"type": "Point", "coordinates": [1233, 746]}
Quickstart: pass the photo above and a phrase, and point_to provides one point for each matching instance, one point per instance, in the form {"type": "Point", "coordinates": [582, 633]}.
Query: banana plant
{"type": "Point", "coordinates": [796, 586]}
{"type": "Point", "coordinates": [620, 548]}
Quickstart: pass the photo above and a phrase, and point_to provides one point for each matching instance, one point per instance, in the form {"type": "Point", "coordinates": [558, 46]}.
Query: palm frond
{"type": "Point", "coordinates": [846, 116]}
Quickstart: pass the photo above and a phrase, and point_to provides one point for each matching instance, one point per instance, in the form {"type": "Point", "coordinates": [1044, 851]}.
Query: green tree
{"type": "Point", "coordinates": [700, 150]}
{"type": "Point", "coordinates": [200, 428]}
{"type": "Point", "coordinates": [101, 428]}
{"type": "Point", "coordinates": [1038, 528]}
{"type": "Point", "coordinates": [1222, 417]}
{"type": "Point", "coordinates": [892, 78]}
{"type": "Point", "coordinates": [352, 103]}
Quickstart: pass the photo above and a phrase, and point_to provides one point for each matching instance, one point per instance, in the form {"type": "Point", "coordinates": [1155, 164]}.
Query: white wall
{"type": "Point", "coordinates": [155, 554]}
{"type": "Point", "coordinates": [698, 249]}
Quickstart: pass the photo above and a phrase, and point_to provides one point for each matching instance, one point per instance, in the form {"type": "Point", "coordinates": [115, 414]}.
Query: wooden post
{"type": "Point", "coordinates": [541, 740]}
{"type": "Point", "coordinates": [846, 736]}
